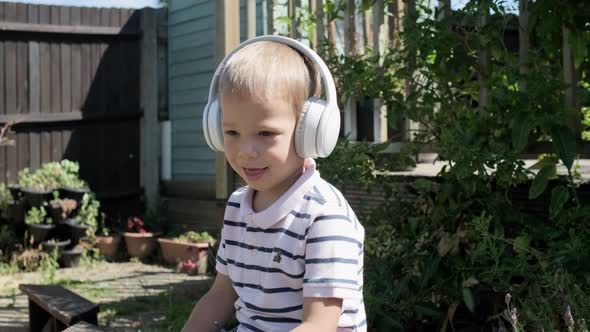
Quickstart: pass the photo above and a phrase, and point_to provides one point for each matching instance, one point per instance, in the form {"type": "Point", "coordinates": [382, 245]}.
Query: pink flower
{"type": "Point", "coordinates": [189, 265]}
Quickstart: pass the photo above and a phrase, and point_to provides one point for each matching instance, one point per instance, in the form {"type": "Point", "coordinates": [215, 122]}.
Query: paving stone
{"type": "Point", "coordinates": [128, 280]}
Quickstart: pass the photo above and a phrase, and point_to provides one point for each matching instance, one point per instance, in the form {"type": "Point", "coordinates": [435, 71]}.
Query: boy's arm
{"type": "Point", "coordinates": [320, 314]}
{"type": "Point", "coordinates": [216, 305]}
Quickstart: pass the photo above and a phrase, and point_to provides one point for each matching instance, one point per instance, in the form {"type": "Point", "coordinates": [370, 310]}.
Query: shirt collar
{"type": "Point", "coordinates": [282, 206]}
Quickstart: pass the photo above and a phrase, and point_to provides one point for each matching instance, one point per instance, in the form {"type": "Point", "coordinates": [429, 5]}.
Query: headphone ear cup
{"type": "Point", "coordinates": [212, 126]}
{"type": "Point", "coordinates": [306, 133]}
{"type": "Point", "coordinates": [328, 132]}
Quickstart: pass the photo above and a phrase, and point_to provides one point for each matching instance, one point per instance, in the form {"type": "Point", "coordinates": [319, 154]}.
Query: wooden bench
{"type": "Point", "coordinates": [83, 327]}
{"type": "Point", "coordinates": [54, 308]}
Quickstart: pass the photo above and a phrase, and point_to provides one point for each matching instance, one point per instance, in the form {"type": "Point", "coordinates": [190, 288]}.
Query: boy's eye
{"type": "Point", "coordinates": [231, 132]}
{"type": "Point", "coordinates": [266, 133]}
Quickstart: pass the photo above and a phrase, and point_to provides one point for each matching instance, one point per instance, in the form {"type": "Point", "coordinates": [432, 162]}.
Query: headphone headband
{"type": "Point", "coordinates": [327, 80]}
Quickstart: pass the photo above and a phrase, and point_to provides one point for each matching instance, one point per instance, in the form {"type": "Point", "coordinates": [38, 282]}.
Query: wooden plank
{"type": "Point", "coordinates": [69, 29]}
{"type": "Point", "coordinates": [33, 14]}
{"type": "Point", "coordinates": [3, 76]}
{"type": "Point", "coordinates": [10, 12]}
{"type": "Point", "coordinates": [320, 28]}
{"type": "Point", "coordinates": [3, 154]}
{"type": "Point", "coordinates": [21, 12]}
{"type": "Point", "coordinates": [150, 128]}
{"type": "Point", "coordinates": [45, 76]}
{"type": "Point", "coordinates": [23, 154]}
{"type": "Point", "coordinates": [86, 54]}
{"type": "Point", "coordinates": [66, 136]}
{"type": "Point", "coordinates": [270, 23]}
{"type": "Point", "coordinates": [11, 163]}
{"type": "Point", "coordinates": [76, 65]}
{"type": "Point", "coordinates": [74, 116]}
{"type": "Point", "coordinates": [569, 78]}
{"type": "Point", "coordinates": [56, 145]}
{"type": "Point", "coordinates": [205, 213]}
{"type": "Point", "coordinates": [22, 76]}
{"type": "Point", "coordinates": [45, 147]}
{"type": "Point", "coordinates": [66, 63]}
{"type": "Point", "coordinates": [34, 149]}
{"type": "Point", "coordinates": [350, 48]}
{"type": "Point", "coordinates": [44, 15]}
{"type": "Point", "coordinates": [34, 78]}
{"type": "Point", "coordinates": [55, 65]}
{"type": "Point", "coordinates": [250, 19]}
{"type": "Point", "coordinates": [63, 304]}
{"type": "Point", "coordinates": [227, 37]}
{"type": "Point", "coordinates": [10, 84]}
{"type": "Point", "coordinates": [295, 19]}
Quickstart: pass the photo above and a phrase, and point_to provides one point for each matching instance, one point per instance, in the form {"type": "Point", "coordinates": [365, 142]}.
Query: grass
{"type": "Point", "coordinates": [172, 308]}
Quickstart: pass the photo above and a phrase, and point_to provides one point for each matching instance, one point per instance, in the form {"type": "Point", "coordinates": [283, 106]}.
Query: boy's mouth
{"type": "Point", "coordinates": [253, 174]}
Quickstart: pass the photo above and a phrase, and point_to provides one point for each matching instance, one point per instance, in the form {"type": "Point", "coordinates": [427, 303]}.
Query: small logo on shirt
{"type": "Point", "coordinates": [277, 258]}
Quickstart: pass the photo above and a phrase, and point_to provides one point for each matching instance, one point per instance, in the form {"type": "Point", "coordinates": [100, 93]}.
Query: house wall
{"type": "Point", "coordinates": [191, 29]}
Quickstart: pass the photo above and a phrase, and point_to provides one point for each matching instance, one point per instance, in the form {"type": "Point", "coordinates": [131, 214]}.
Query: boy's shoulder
{"type": "Point", "coordinates": [236, 196]}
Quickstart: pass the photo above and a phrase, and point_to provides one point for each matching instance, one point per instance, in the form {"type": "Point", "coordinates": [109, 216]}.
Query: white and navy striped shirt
{"type": "Point", "coordinates": [308, 243]}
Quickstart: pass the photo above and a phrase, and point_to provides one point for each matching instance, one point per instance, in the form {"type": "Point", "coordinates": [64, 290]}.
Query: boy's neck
{"type": "Point", "coordinates": [261, 200]}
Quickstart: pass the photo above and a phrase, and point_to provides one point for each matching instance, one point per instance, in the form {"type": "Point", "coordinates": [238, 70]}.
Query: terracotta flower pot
{"type": "Point", "coordinates": [174, 252]}
{"type": "Point", "coordinates": [108, 245]}
{"type": "Point", "coordinates": [140, 245]}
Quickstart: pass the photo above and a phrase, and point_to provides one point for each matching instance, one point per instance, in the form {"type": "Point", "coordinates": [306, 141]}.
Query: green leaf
{"type": "Point", "coordinates": [521, 126]}
{"type": "Point", "coordinates": [468, 299]}
{"type": "Point", "coordinates": [559, 195]}
{"type": "Point", "coordinates": [565, 144]}
{"type": "Point", "coordinates": [427, 311]}
{"type": "Point", "coordinates": [521, 244]}
{"type": "Point", "coordinates": [540, 182]}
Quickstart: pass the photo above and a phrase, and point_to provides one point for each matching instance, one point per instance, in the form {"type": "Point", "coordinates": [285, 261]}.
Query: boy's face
{"type": "Point", "coordinates": [259, 142]}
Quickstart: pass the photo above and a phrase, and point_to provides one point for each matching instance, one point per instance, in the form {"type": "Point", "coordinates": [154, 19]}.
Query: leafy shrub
{"type": "Point", "coordinates": [194, 237]}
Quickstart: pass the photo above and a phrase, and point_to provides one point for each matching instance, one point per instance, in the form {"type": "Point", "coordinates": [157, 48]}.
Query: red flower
{"type": "Point", "coordinates": [134, 224]}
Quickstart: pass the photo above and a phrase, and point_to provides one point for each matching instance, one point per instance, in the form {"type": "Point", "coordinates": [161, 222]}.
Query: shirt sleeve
{"type": "Point", "coordinates": [334, 255]}
{"type": "Point", "coordinates": [220, 262]}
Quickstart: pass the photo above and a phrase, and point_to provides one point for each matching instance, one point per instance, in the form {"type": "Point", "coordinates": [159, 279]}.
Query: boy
{"type": "Point", "coordinates": [291, 250]}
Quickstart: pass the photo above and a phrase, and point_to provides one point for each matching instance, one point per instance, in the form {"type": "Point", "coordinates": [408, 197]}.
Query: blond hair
{"type": "Point", "coordinates": [269, 69]}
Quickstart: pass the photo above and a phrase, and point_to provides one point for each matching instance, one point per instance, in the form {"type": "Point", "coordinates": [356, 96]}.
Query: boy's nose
{"type": "Point", "coordinates": [247, 151]}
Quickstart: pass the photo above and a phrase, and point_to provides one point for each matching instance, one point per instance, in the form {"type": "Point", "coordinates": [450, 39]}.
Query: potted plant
{"type": "Point", "coordinates": [85, 222]}
{"type": "Point", "coordinates": [189, 246]}
{"type": "Point", "coordinates": [106, 241]}
{"type": "Point", "coordinates": [50, 245]}
{"type": "Point", "coordinates": [15, 191]}
{"type": "Point", "coordinates": [5, 201]}
{"type": "Point", "coordinates": [38, 223]}
{"type": "Point", "coordinates": [35, 187]}
{"type": "Point", "coordinates": [139, 238]}
{"type": "Point", "coordinates": [71, 186]}
{"type": "Point", "coordinates": [70, 257]}
{"type": "Point", "coordinates": [61, 208]}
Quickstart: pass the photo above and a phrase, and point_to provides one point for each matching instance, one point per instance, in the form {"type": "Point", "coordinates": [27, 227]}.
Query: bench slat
{"type": "Point", "coordinates": [60, 302]}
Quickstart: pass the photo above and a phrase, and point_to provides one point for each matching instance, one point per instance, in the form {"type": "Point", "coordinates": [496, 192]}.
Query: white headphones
{"type": "Point", "coordinates": [318, 125]}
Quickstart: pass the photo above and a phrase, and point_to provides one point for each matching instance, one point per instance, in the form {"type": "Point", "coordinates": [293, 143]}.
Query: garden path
{"type": "Point", "coordinates": [130, 294]}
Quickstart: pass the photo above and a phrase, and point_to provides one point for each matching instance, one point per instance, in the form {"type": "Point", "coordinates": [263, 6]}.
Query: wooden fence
{"type": "Point", "coordinates": [70, 83]}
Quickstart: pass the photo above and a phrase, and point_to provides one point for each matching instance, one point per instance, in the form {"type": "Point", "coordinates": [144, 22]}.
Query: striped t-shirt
{"type": "Point", "coordinates": [308, 243]}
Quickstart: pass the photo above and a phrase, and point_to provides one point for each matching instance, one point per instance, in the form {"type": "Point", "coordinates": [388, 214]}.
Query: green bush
{"type": "Point", "coordinates": [443, 253]}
